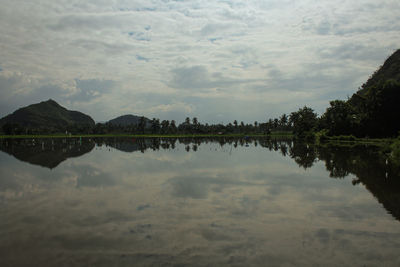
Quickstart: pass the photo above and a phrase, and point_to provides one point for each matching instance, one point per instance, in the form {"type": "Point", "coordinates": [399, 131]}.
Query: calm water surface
{"type": "Point", "coordinates": [126, 202]}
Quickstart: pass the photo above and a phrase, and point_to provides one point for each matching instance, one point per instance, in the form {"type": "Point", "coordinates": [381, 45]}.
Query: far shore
{"type": "Point", "coordinates": [332, 139]}
{"type": "Point", "coordinates": [141, 135]}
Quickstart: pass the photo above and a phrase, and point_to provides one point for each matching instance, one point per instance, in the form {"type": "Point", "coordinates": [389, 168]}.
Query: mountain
{"type": "Point", "coordinates": [46, 116]}
{"type": "Point", "coordinates": [376, 104]}
{"type": "Point", "coordinates": [126, 120]}
{"type": "Point", "coordinates": [390, 70]}
{"type": "Point", "coordinates": [374, 110]}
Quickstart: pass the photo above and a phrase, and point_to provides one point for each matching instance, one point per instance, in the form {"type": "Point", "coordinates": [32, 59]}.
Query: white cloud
{"type": "Point", "coordinates": [191, 56]}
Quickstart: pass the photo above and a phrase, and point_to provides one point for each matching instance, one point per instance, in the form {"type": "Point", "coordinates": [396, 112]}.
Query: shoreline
{"type": "Point", "coordinates": [328, 139]}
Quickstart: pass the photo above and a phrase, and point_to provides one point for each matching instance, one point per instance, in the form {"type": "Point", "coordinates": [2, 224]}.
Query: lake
{"type": "Point", "coordinates": [201, 202]}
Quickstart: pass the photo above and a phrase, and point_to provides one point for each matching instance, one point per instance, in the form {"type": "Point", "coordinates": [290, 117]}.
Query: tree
{"type": "Point", "coordinates": [241, 127]}
{"type": "Point", "coordinates": [172, 126]}
{"type": "Point", "coordinates": [165, 126]}
{"type": "Point", "coordinates": [304, 120]}
{"type": "Point", "coordinates": [340, 118]}
{"type": "Point", "coordinates": [12, 128]}
{"type": "Point", "coordinates": [142, 124]}
{"type": "Point", "coordinates": [382, 109]}
{"type": "Point", "coordinates": [187, 120]}
{"type": "Point", "coordinates": [155, 126]}
{"type": "Point", "coordinates": [195, 126]}
{"type": "Point", "coordinates": [276, 123]}
{"type": "Point", "coordinates": [283, 120]}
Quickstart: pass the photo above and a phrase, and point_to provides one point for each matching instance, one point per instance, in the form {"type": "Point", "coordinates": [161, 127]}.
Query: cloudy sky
{"type": "Point", "coordinates": [216, 60]}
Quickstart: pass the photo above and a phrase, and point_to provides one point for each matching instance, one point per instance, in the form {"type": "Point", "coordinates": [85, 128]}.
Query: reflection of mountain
{"type": "Point", "coordinates": [125, 144]}
{"type": "Point", "coordinates": [372, 168]}
{"type": "Point", "coordinates": [127, 147]}
{"type": "Point", "coordinates": [47, 153]}
{"type": "Point", "coordinates": [136, 144]}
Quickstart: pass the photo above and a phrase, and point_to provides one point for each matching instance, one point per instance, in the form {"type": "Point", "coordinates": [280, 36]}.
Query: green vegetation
{"type": "Point", "coordinates": [395, 152]}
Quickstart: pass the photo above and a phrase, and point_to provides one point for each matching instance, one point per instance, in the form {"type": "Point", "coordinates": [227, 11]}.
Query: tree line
{"type": "Point", "coordinates": [374, 113]}
{"type": "Point", "coordinates": [194, 126]}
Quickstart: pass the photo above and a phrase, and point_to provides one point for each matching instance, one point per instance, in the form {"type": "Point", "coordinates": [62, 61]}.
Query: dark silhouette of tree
{"type": "Point", "coordinates": [165, 127]}
{"type": "Point", "coordinates": [155, 126]}
{"type": "Point", "coordinates": [172, 127]}
{"type": "Point", "coordinates": [304, 120]}
{"type": "Point", "coordinates": [340, 118]}
{"type": "Point", "coordinates": [283, 120]}
{"type": "Point", "coordinates": [142, 124]}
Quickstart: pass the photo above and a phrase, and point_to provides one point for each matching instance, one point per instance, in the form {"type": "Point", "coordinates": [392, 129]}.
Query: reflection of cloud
{"type": "Point", "coordinates": [89, 176]}
{"type": "Point", "coordinates": [194, 186]}
{"type": "Point", "coordinates": [323, 236]}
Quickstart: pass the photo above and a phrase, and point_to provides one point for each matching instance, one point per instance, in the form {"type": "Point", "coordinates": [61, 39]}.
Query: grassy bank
{"type": "Point", "coordinates": [322, 138]}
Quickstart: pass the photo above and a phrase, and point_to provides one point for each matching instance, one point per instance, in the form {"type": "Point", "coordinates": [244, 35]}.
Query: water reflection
{"type": "Point", "coordinates": [367, 163]}
{"type": "Point", "coordinates": [45, 152]}
{"type": "Point", "coordinates": [191, 201]}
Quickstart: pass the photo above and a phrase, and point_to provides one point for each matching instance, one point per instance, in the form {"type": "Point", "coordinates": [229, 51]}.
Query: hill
{"type": "Point", "coordinates": [390, 70]}
{"type": "Point", "coordinates": [44, 117]}
{"type": "Point", "coordinates": [373, 110]}
{"type": "Point", "coordinates": [127, 120]}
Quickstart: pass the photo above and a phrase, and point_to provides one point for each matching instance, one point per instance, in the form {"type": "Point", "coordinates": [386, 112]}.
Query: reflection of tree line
{"type": "Point", "coordinates": [370, 165]}
{"type": "Point", "coordinates": [190, 143]}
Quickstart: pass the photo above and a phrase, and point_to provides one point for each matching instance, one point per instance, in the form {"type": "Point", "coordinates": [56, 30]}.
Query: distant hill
{"type": "Point", "coordinates": [46, 116]}
{"type": "Point", "coordinates": [126, 120]}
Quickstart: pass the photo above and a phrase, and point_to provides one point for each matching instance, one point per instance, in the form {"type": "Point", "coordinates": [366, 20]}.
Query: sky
{"type": "Point", "coordinates": [171, 59]}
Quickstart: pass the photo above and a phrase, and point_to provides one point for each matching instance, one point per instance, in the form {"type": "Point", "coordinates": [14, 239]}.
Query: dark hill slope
{"type": "Point", "coordinates": [390, 70]}
{"type": "Point", "coordinates": [376, 104]}
{"type": "Point", "coordinates": [47, 115]}
{"type": "Point", "coordinates": [127, 120]}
